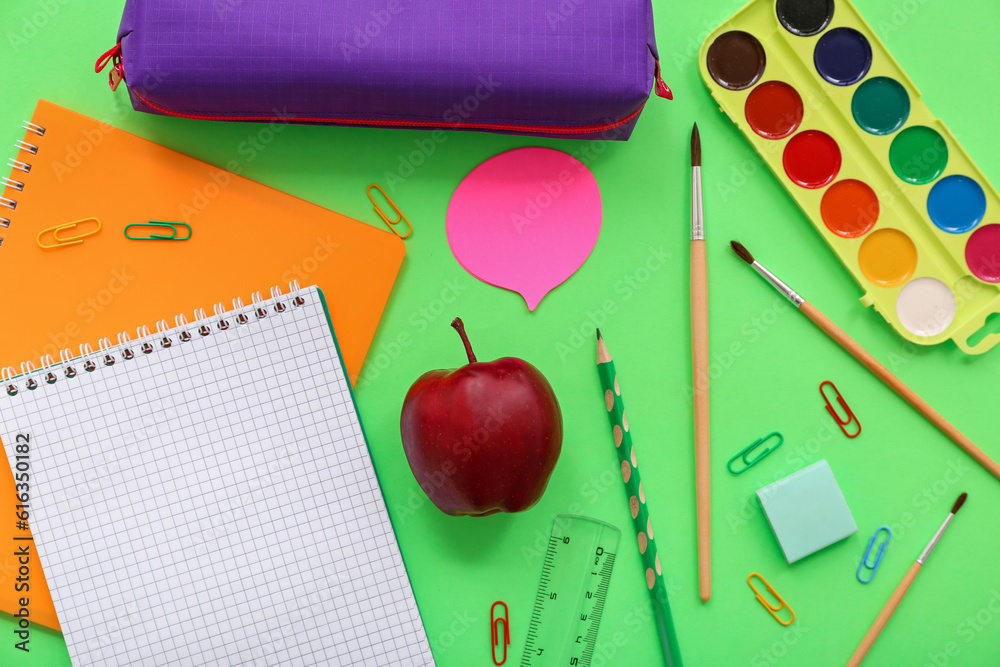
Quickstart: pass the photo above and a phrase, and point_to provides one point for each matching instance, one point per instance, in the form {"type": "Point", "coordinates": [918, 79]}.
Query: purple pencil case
{"type": "Point", "coordinates": [570, 68]}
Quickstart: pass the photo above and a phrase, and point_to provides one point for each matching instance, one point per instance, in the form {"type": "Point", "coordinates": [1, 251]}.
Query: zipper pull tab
{"type": "Point", "coordinates": [117, 73]}
{"type": "Point", "coordinates": [662, 89]}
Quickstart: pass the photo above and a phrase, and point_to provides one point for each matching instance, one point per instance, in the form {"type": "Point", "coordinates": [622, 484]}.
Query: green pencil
{"type": "Point", "coordinates": [637, 505]}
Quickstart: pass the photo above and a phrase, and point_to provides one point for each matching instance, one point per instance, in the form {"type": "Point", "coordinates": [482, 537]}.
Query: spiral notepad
{"type": "Point", "coordinates": [68, 167]}
{"type": "Point", "coordinates": [203, 494]}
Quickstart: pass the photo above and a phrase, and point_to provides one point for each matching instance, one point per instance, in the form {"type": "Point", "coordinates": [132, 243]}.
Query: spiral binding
{"type": "Point", "coordinates": [146, 341]}
{"type": "Point", "coordinates": [14, 163]}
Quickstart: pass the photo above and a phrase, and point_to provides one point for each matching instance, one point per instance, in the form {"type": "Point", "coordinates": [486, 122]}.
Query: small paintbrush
{"type": "Point", "coordinates": [897, 595]}
{"type": "Point", "coordinates": [872, 364]}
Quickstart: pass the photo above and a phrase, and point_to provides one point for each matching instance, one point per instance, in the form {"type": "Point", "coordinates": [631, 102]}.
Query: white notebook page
{"type": "Point", "coordinates": [214, 502]}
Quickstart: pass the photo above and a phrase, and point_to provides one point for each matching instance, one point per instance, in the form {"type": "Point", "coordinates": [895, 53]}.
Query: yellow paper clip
{"type": "Point", "coordinates": [399, 214]}
{"type": "Point", "coordinates": [760, 598]}
{"type": "Point", "coordinates": [72, 240]}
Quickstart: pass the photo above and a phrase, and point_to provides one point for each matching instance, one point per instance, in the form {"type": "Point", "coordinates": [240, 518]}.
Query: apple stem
{"type": "Point", "coordinates": [460, 328]}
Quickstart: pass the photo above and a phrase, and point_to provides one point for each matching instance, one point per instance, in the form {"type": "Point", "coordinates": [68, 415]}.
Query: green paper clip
{"type": "Point", "coordinates": [160, 224]}
{"type": "Point", "coordinates": [746, 452]}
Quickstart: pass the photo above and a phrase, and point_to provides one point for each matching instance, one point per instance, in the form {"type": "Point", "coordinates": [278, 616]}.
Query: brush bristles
{"type": "Point", "coordinates": [695, 147]}
{"type": "Point", "coordinates": [958, 503]}
{"type": "Point", "coordinates": [742, 252]}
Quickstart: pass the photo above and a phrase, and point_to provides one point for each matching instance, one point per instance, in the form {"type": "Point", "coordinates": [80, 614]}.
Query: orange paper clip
{"type": "Point", "coordinates": [767, 605]}
{"type": "Point", "coordinates": [60, 241]}
{"type": "Point", "coordinates": [851, 419]}
{"type": "Point", "coordinates": [495, 639]}
{"type": "Point", "coordinates": [399, 214]}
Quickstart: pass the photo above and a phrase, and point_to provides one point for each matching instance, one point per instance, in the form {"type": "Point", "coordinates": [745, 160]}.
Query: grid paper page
{"type": "Point", "coordinates": [214, 502]}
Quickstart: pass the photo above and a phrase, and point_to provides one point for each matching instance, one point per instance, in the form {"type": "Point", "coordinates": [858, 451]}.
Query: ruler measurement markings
{"type": "Point", "coordinates": [568, 604]}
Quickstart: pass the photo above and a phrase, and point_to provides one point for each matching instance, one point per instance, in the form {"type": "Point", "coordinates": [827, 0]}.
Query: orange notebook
{"type": "Point", "coordinates": [242, 233]}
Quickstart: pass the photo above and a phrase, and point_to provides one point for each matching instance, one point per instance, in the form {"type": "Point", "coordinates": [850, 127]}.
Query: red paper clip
{"type": "Point", "coordinates": [843, 404]}
{"type": "Point", "coordinates": [495, 633]}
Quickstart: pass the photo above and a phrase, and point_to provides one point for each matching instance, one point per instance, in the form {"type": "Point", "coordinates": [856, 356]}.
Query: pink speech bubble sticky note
{"type": "Point", "coordinates": [525, 220]}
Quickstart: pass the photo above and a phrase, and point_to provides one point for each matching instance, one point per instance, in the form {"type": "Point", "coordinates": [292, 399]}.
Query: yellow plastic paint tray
{"type": "Point", "coordinates": [888, 187]}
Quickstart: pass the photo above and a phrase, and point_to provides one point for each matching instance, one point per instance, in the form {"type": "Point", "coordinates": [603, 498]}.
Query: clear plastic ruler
{"type": "Point", "coordinates": [571, 594]}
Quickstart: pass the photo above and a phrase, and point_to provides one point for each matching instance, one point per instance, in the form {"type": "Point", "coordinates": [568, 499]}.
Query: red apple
{"type": "Point", "coordinates": [482, 438]}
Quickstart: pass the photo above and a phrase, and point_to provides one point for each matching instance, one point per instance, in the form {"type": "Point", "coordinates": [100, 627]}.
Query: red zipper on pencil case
{"type": "Point", "coordinates": [117, 74]}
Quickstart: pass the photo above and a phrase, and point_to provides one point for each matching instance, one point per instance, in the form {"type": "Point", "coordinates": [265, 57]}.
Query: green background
{"type": "Point", "coordinates": [767, 360]}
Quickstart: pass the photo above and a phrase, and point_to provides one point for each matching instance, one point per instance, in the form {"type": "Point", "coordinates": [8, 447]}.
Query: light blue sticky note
{"type": "Point", "coordinates": [807, 511]}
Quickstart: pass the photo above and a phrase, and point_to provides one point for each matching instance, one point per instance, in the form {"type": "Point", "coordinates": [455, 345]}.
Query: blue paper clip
{"type": "Point", "coordinates": [746, 452]}
{"type": "Point", "coordinates": [878, 555]}
{"type": "Point", "coordinates": [173, 228]}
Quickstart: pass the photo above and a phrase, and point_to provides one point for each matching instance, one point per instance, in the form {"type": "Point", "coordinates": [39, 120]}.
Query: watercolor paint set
{"type": "Point", "coordinates": [888, 187]}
